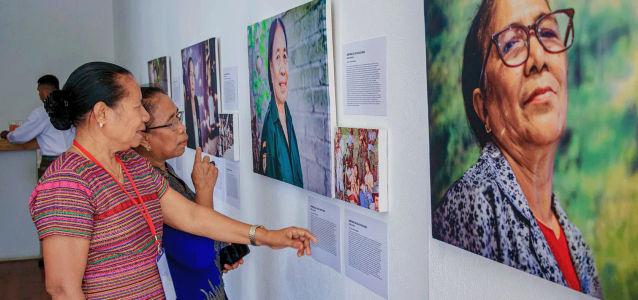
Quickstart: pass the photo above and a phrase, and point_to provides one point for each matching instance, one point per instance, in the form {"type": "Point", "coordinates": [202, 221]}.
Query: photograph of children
{"type": "Point", "coordinates": [227, 137]}
{"type": "Point", "coordinates": [290, 97]}
{"type": "Point", "coordinates": [533, 127]}
{"type": "Point", "coordinates": [159, 73]}
{"type": "Point", "coordinates": [201, 94]}
{"type": "Point", "coordinates": [357, 166]}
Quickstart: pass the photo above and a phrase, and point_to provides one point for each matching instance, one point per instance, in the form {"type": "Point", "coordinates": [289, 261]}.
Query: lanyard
{"type": "Point", "coordinates": [145, 214]}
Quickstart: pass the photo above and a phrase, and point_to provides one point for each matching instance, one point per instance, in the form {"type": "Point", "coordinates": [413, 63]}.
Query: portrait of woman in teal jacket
{"type": "Point", "coordinates": [279, 154]}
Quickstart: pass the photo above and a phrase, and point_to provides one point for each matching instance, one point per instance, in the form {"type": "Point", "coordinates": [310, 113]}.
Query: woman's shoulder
{"type": "Point", "coordinates": [481, 181]}
{"type": "Point", "coordinates": [466, 216]}
{"type": "Point", "coordinates": [477, 184]}
{"type": "Point", "coordinates": [474, 194]}
{"type": "Point", "coordinates": [67, 165]}
{"type": "Point", "coordinates": [69, 173]}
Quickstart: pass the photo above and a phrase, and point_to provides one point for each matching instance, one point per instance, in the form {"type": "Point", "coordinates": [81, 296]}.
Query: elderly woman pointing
{"type": "Point", "coordinates": [100, 207]}
{"type": "Point", "coordinates": [515, 91]}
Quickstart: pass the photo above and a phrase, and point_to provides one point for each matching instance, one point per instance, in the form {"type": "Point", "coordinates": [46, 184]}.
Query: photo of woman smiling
{"type": "Point", "coordinates": [514, 84]}
{"type": "Point", "coordinates": [279, 151]}
{"type": "Point", "coordinates": [291, 92]}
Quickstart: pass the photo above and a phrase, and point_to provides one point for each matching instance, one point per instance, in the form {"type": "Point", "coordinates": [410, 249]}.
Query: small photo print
{"type": "Point", "coordinates": [359, 175]}
{"type": "Point", "coordinates": [159, 74]}
{"type": "Point", "coordinates": [228, 147]}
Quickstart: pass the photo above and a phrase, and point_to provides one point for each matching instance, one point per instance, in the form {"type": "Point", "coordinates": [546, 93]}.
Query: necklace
{"type": "Point", "coordinates": [118, 175]}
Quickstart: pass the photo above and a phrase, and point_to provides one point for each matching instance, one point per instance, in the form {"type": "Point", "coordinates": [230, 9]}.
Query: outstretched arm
{"type": "Point", "coordinates": [32, 127]}
{"type": "Point", "coordinates": [190, 217]}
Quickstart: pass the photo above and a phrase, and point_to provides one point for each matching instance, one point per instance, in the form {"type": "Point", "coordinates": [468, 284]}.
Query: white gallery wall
{"type": "Point", "coordinates": [38, 38]}
{"type": "Point", "coordinates": [419, 267]}
{"type": "Point", "coordinates": [148, 29]}
{"type": "Point", "coordinates": [47, 37]}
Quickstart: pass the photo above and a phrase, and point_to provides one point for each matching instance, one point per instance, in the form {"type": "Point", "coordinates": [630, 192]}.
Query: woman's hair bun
{"type": "Point", "coordinates": [57, 106]}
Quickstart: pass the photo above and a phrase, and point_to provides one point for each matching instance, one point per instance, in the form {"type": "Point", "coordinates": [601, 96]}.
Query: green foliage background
{"type": "Point", "coordinates": [596, 170]}
{"type": "Point", "coordinates": [257, 46]}
{"type": "Point", "coordinates": [159, 64]}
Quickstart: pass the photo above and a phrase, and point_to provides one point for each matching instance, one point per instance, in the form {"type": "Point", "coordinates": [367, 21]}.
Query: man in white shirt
{"type": "Point", "coordinates": [52, 142]}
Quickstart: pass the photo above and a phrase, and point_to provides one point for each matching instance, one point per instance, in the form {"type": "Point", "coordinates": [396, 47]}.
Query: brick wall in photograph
{"type": "Point", "coordinates": [309, 100]}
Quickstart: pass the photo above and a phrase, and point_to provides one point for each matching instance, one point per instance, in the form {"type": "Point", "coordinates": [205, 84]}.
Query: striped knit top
{"type": "Point", "coordinates": [77, 198]}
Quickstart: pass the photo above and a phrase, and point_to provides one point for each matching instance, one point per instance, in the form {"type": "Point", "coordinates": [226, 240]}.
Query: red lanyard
{"type": "Point", "coordinates": [144, 212]}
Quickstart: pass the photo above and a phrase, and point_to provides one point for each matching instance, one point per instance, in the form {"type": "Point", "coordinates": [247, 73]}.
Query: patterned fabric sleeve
{"type": "Point", "coordinates": [161, 185]}
{"type": "Point", "coordinates": [62, 205]}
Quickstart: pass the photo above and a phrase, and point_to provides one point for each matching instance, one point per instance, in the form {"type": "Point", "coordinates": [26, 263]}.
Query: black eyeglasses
{"type": "Point", "coordinates": [173, 124]}
{"type": "Point", "coordinates": [554, 31]}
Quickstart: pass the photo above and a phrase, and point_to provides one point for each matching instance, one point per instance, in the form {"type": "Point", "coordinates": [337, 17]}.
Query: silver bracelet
{"type": "Point", "coordinates": [251, 233]}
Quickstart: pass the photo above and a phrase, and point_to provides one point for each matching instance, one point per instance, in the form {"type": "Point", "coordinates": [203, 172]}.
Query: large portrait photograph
{"type": "Point", "coordinates": [159, 74]}
{"type": "Point", "coordinates": [533, 118]}
{"type": "Point", "coordinates": [200, 71]}
{"type": "Point", "coordinates": [290, 75]}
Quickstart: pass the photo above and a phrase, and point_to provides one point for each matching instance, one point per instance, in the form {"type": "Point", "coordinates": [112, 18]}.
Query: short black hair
{"type": "Point", "coordinates": [49, 80]}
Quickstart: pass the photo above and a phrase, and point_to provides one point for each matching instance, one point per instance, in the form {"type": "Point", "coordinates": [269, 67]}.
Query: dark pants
{"type": "Point", "coordinates": [44, 164]}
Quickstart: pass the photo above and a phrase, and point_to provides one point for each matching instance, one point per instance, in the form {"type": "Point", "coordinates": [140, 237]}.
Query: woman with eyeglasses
{"type": "Point", "coordinates": [514, 84]}
{"type": "Point", "coordinates": [99, 209]}
{"type": "Point", "coordinates": [193, 260]}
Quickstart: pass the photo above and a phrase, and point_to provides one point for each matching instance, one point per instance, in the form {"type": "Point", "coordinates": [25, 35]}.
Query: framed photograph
{"type": "Point", "coordinates": [200, 69]}
{"type": "Point", "coordinates": [229, 136]}
{"type": "Point", "coordinates": [533, 137]}
{"type": "Point", "coordinates": [159, 74]}
{"type": "Point", "coordinates": [361, 167]}
{"type": "Point", "coordinates": [292, 96]}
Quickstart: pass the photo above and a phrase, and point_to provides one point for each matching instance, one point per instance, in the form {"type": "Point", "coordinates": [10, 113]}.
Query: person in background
{"type": "Point", "coordinates": [194, 261]}
{"type": "Point", "coordinates": [52, 142]}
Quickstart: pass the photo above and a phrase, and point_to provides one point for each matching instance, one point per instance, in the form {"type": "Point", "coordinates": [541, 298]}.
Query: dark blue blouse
{"type": "Point", "coordinates": [193, 260]}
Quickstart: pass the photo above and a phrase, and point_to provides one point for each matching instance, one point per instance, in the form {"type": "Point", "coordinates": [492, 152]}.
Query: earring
{"type": "Point", "coordinates": [101, 125]}
{"type": "Point", "coordinates": [487, 128]}
{"type": "Point", "coordinates": [148, 148]}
